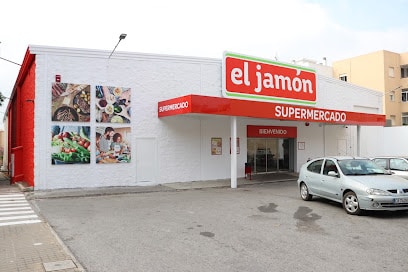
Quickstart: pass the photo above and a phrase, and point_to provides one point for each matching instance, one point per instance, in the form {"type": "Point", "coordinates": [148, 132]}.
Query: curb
{"type": "Point", "coordinates": [151, 188]}
{"type": "Point", "coordinates": [65, 248]}
{"type": "Point", "coordinates": [23, 187]}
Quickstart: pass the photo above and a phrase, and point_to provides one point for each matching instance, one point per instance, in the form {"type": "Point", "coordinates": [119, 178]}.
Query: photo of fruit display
{"type": "Point", "coordinates": [70, 102]}
{"type": "Point", "coordinates": [112, 104]}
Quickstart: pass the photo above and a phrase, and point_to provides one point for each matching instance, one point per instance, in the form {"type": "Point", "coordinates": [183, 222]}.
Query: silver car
{"type": "Point", "coordinates": [396, 165]}
{"type": "Point", "coordinates": [358, 183]}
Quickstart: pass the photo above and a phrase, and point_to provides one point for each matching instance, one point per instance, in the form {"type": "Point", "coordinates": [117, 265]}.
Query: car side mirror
{"type": "Point", "coordinates": [333, 174]}
{"type": "Point", "coordinates": [389, 172]}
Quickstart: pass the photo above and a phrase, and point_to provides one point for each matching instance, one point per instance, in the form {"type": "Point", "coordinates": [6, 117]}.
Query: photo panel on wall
{"type": "Point", "coordinates": [70, 102]}
{"type": "Point", "coordinates": [70, 144]}
{"type": "Point", "coordinates": [112, 144]}
{"type": "Point", "coordinates": [112, 104]}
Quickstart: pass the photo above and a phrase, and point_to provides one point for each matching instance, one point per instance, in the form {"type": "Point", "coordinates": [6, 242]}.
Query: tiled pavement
{"type": "Point", "coordinates": [32, 248]}
{"type": "Point", "coordinates": [27, 244]}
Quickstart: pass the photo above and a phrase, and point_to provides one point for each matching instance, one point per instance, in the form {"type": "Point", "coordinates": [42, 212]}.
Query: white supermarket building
{"type": "Point", "coordinates": [177, 118]}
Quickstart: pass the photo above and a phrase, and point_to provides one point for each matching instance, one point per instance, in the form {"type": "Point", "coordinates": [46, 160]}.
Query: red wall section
{"type": "Point", "coordinates": [25, 133]}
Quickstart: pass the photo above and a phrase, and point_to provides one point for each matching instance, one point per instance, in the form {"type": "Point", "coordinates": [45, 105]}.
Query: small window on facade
{"type": "Point", "coordinates": [404, 95]}
{"type": "Point", "coordinates": [393, 119]}
{"type": "Point", "coordinates": [404, 72]}
{"type": "Point", "coordinates": [404, 116]}
{"type": "Point", "coordinates": [392, 96]}
{"type": "Point", "coordinates": [391, 71]}
{"type": "Point", "coordinates": [343, 77]}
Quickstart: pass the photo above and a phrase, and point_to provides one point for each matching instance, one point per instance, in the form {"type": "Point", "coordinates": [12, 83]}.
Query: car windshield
{"type": "Point", "coordinates": [353, 167]}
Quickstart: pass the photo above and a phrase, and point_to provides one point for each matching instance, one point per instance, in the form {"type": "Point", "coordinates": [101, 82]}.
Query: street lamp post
{"type": "Point", "coordinates": [121, 37]}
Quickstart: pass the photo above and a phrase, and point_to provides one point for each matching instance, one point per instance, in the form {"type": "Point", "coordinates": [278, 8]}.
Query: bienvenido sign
{"type": "Point", "coordinates": [253, 78]}
{"type": "Point", "coordinates": [271, 132]}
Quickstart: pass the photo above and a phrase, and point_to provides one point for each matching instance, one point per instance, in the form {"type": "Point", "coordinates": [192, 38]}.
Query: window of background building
{"type": "Point", "coordinates": [404, 95]}
{"type": "Point", "coordinates": [404, 71]}
{"type": "Point", "coordinates": [393, 118]}
{"type": "Point", "coordinates": [391, 71]}
{"type": "Point", "coordinates": [392, 96]}
{"type": "Point", "coordinates": [343, 77]}
{"type": "Point", "coordinates": [404, 116]}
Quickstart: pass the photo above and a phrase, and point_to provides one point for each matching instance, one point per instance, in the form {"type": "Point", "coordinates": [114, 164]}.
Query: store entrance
{"type": "Point", "coordinates": [267, 155]}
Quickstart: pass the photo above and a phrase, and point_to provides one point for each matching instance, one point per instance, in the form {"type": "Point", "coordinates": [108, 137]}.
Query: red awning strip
{"type": "Point", "coordinates": [199, 104]}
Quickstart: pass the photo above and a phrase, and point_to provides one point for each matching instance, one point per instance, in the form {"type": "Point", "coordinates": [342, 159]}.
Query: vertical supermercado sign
{"type": "Point", "coordinates": [251, 78]}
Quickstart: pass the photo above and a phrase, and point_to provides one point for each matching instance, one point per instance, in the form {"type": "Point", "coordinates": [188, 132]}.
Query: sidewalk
{"type": "Point", "coordinates": [29, 247]}
{"type": "Point", "coordinates": [193, 185]}
{"type": "Point", "coordinates": [37, 248]}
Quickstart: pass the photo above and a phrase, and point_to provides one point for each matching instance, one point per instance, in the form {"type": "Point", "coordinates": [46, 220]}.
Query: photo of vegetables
{"type": "Point", "coordinates": [70, 102]}
{"type": "Point", "coordinates": [70, 145]}
{"type": "Point", "coordinates": [112, 104]}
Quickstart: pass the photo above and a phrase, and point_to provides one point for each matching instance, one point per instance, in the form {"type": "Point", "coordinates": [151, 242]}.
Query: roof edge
{"type": "Point", "coordinates": [99, 53]}
{"type": "Point", "coordinates": [25, 66]}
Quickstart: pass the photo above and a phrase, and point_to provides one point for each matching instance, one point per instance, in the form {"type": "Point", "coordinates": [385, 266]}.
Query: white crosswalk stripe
{"type": "Point", "coordinates": [15, 210]}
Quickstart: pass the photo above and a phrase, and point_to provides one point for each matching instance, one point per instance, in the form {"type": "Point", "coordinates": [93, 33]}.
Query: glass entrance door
{"type": "Point", "coordinates": [268, 154]}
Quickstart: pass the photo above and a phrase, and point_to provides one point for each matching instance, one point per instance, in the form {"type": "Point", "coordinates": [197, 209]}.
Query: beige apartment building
{"type": "Point", "coordinates": [384, 71]}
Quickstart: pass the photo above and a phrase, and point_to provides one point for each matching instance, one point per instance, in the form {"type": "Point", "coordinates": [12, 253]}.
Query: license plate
{"type": "Point", "coordinates": [401, 200]}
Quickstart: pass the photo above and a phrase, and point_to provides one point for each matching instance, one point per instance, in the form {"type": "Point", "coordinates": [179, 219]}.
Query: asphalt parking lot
{"type": "Point", "coordinates": [261, 227]}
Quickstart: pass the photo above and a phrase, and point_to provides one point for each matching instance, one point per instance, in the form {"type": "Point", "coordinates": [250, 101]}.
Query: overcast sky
{"type": "Point", "coordinates": [273, 29]}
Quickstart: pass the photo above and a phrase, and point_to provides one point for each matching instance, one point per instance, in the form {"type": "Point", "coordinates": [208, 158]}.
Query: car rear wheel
{"type": "Point", "coordinates": [350, 203]}
{"type": "Point", "coordinates": [304, 192]}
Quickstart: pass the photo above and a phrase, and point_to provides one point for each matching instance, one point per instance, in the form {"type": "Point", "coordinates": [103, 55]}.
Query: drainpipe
{"type": "Point", "coordinates": [358, 140]}
{"type": "Point", "coordinates": [324, 139]}
{"type": "Point", "coordinates": [233, 152]}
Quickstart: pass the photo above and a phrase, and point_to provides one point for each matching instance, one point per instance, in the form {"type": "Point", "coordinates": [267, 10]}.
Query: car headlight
{"type": "Point", "coordinates": [373, 191]}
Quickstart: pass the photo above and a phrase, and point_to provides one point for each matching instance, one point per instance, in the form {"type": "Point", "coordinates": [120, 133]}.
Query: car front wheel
{"type": "Point", "coordinates": [350, 203]}
{"type": "Point", "coordinates": [304, 192]}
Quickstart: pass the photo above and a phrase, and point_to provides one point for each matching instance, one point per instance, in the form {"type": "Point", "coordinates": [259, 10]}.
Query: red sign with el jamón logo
{"type": "Point", "coordinates": [264, 80]}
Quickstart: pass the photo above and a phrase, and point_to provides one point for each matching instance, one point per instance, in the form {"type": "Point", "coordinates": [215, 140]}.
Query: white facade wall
{"type": "Point", "coordinates": [372, 143]}
{"type": "Point", "coordinates": [339, 95]}
{"type": "Point", "coordinates": [177, 148]}
{"type": "Point", "coordinates": [395, 141]}
{"type": "Point", "coordinates": [385, 141]}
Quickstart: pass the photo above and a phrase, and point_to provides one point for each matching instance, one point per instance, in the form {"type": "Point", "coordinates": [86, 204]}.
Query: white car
{"type": "Point", "coordinates": [396, 165]}
{"type": "Point", "coordinates": [358, 183]}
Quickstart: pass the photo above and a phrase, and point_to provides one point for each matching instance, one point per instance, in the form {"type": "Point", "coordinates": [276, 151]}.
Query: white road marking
{"type": "Point", "coordinates": [20, 222]}
{"type": "Point", "coordinates": [14, 205]}
{"type": "Point", "coordinates": [6, 201]}
{"type": "Point", "coordinates": [4, 218]}
{"type": "Point", "coordinates": [15, 210]}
